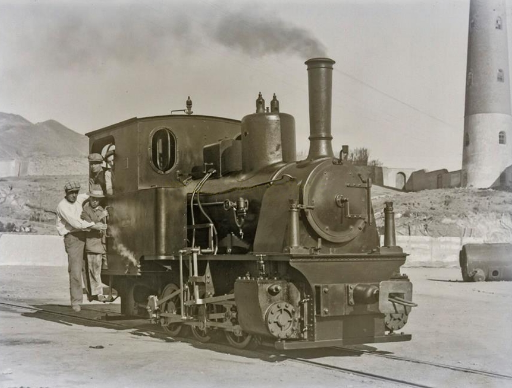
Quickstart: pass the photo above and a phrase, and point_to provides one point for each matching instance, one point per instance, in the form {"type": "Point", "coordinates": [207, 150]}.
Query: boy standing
{"type": "Point", "coordinates": [94, 247]}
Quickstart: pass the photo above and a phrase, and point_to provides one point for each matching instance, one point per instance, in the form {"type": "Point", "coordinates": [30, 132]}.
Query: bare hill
{"type": "Point", "coordinates": [21, 139]}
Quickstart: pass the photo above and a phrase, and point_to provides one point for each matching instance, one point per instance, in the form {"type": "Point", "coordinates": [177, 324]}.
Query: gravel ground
{"type": "Point", "coordinates": [463, 325]}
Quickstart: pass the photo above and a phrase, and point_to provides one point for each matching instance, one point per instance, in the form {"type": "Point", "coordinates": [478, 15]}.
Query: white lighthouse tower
{"type": "Point", "coordinates": [487, 144]}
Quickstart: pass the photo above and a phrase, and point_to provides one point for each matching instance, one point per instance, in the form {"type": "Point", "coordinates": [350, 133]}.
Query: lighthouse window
{"type": "Point", "coordinates": [501, 75]}
{"type": "Point", "coordinates": [163, 150]}
{"type": "Point", "coordinates": [502, 138]}
{"type": "Point", "coordinates": [498, 23]}
{"type": "Point", "coordinates": [469, 81]}
{"type": "Point", "coordinates": [466, 139]}
{"type": "Point", "coordinates": [472, 24]}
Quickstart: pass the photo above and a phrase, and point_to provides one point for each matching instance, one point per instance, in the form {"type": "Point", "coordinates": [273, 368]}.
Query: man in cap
{"type": "Point", "coordinates": [97, 179]}
{"type": "Point", "coordinates": [73, 228]}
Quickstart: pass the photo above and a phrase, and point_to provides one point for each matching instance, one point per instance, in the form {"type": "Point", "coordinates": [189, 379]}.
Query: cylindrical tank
{"type": "Point", "coordinates": [267, 138]}
{"type": "Point", "coordinates": [480, 262]}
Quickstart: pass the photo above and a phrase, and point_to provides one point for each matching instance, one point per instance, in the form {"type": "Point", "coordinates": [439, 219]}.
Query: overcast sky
{"type": "Point", "coordinates": [398, 85]}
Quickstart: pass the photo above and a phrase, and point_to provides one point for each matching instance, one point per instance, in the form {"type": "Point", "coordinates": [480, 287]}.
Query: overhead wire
{"type": "Point", "coordinates": [255, 66]}
{"type": "Point", "coordinates": [258, 69]}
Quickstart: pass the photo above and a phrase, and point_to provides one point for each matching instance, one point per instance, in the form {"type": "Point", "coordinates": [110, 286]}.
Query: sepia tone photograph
{"type": "Point", "coordinates": [226, 193]}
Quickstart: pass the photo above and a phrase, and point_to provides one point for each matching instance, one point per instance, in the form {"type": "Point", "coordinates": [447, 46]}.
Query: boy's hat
{"type": "Point", "coordinates": [96, 194]}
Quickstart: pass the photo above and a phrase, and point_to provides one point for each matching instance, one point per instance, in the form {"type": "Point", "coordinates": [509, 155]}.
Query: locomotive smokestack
{"type": "Point", "coordinates": [320, 101]}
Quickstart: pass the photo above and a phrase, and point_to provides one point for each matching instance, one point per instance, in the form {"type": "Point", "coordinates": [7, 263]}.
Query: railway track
{"type": "Point", "coordinates": [270, 353]}
{"type": "Point", "coordinates": [356, 372]}
{"type": "Point", "coordinates": [435, 364]}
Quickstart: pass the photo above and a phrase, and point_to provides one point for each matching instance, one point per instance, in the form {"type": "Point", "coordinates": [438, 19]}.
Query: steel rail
{"type": "Point", "coordinates": [69, 315]}
{"type": "Point", "coordinates": [430, 363]}
{"type": "Point", "coordinates": [358, 373]}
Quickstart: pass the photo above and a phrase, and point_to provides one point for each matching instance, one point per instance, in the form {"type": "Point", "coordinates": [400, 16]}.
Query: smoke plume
{"type": "Point", "coordinates": [259, 35]}
{"type": "Point", "coordinates": [93, 38]}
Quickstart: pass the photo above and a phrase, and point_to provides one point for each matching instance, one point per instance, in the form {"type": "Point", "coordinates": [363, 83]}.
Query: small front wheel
{"type": "Point", "coordinates": [240, 341]}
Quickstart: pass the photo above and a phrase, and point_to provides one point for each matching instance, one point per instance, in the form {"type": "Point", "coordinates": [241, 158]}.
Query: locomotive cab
{"type": "Point", "coordinates": [153, 163]}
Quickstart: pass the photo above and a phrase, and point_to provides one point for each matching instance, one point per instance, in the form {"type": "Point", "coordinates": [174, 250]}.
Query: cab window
{"type": "Point", "coordinates": [163, 150]}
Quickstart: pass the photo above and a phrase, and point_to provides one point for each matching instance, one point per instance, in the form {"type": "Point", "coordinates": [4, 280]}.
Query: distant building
{"type": "Point", "coordinates": [391, 177]}
{"type": "Point", "coordinates": [438, 179]}
{"type": "Point", "coordinates": [409, 179]}
{"type": "Point", "coordinates": [487, 143]}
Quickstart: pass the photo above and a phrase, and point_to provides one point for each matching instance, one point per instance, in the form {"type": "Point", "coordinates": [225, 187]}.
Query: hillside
{"type": "Point", "coordinates": [21, 139]}
{"type": "Point", "coordinates": [31, 201]}
{"type": "Point", "coordinates": [457, 212]}
{"type": "Point", "coordinates": [438, 213]}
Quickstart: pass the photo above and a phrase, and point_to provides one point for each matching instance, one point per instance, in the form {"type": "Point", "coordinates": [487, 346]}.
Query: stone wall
{"type": "Point", "coordinates": [427, 251]}
{"type": "Point", "coordinates": [424, 180]}
{"type": "Point", "coordinates": [19, 249]}
{"type": "Point", "coordinates": [9, 167]}
{"type": "Point", "coordinates": [392, 177]}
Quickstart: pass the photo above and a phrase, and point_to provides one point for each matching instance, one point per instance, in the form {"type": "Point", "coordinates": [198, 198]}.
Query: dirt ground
{"type": "Point", "coordinates": [461, 325]}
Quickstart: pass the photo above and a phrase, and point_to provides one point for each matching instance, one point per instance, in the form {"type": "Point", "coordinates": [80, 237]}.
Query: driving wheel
{"type": "Point", "coordinates": [172, 306]}
{"type": "Point", "coordinates": [201, 332]}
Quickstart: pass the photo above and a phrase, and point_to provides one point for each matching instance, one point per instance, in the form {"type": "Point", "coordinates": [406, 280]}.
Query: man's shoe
{"type": "Point", "coordinates": [76, 308]}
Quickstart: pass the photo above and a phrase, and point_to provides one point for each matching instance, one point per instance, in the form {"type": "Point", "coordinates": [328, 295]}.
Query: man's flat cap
{"type": "Point", "coordinates": [72, 186]}
{"type": "Point", "coordinates": [95, 158]}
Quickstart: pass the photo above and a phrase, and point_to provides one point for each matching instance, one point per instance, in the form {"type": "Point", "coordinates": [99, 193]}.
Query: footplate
{"type": "Point", "coordinates": [289, 345]}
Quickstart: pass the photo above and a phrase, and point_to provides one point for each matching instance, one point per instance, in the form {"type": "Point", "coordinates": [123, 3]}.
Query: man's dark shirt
{"type": "Point", "coordinates": [98, 182]}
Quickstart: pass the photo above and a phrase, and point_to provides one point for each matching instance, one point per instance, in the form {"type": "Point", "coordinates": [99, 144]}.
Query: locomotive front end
{"type": "Point", "coordinates": [332, 284]}
{"type": "Point", "coordinates": [323, 279]}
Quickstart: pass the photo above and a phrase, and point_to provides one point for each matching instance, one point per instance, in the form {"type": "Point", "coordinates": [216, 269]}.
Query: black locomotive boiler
{"type": "Point", "coordinates": [215, 227]}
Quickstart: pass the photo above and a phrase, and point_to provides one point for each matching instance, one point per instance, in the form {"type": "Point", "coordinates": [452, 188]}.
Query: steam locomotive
{"type": "Point", "coordinates": [215, 227]}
